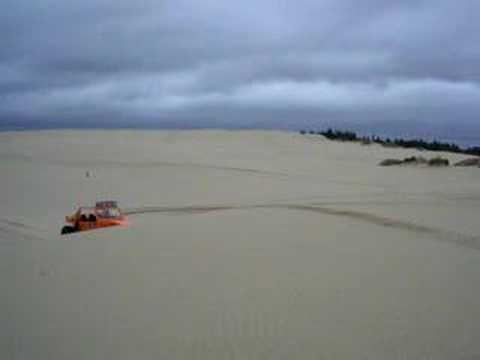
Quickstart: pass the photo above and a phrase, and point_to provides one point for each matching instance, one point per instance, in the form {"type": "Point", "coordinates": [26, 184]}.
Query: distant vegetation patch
{"type": "Point", "coordinates": [416, 160]}
{"type": "Point", "coordinates": [469, 162]}
{"type": "Point", "coordinates": [421, 144]}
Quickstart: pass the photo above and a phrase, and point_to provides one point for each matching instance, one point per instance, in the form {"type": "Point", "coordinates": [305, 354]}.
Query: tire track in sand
{"type": "Point", "coordinates": [12, 229]}
{"type": "Point", "coordinates": [459, 239]}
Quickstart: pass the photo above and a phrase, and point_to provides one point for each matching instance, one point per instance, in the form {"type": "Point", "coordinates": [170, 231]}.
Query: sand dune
{"type": "Point", "coordinates": [242, 245]}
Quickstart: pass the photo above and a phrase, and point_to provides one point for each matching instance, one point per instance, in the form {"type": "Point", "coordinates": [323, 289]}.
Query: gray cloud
{"type": "Point", "coordinates": [269, 63]}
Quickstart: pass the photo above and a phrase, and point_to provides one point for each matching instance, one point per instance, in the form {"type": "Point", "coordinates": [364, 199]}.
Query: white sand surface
{"type": "Point", "coordinates": [242, 245]}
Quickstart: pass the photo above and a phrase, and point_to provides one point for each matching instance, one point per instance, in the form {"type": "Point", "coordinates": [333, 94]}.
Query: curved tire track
{"type": "Point", "coordinates": [459, 239]}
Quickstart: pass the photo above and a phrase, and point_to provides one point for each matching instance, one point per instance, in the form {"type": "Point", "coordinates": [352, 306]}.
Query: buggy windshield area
{"type": "Point", "coordinates": [107, 209]}
{"type": "Point", "coordinates": [108, 212]}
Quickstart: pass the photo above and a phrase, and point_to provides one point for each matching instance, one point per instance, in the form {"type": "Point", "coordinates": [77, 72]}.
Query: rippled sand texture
{"type": "Point", "coordinates": [242, 245]}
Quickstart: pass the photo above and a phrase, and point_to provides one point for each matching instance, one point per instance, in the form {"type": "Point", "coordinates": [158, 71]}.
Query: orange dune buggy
{"type": "Point", "coordinates": [104, 214]}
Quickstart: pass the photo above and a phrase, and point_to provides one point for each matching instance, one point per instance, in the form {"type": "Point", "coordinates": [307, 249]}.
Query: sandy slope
{"type": "Point", "coordinates": [243, 245]}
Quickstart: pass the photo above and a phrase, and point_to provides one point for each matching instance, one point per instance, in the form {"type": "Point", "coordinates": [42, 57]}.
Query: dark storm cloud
{"type": "Point", "coordinates": [266, 63]}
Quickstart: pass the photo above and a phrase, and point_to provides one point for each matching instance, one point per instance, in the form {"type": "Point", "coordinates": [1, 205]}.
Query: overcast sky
{"type": "Point", "coordinates": [241, 63]}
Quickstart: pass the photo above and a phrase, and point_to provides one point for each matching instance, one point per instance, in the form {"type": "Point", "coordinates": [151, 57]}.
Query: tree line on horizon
{"type": "Point", "coordinates": [434, 145]}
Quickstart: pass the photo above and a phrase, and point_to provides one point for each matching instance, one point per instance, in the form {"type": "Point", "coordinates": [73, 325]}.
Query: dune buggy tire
{"type": "Point", "coordinates": [67, 230]}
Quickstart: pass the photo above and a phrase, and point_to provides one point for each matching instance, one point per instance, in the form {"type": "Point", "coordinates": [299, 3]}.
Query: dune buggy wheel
{"type": "Point", "coordinates": [67, 230]}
